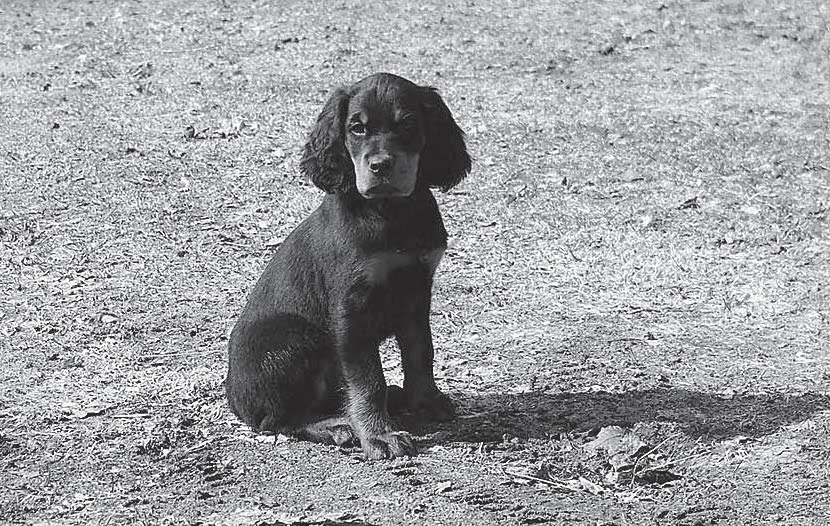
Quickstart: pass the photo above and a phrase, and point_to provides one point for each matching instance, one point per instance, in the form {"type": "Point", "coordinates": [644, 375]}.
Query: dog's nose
{"type": "Point", "coordinates": [381, 164]}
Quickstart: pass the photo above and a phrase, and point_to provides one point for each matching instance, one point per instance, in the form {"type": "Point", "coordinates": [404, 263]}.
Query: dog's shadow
{"type": "Point", "coordinates": [492, 417]}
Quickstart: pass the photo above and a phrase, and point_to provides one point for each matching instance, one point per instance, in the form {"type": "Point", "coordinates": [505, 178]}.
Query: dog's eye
{"type": "Point", "coordinates": [408, 127]}
{"type": "Point", "coordinates": [357, 128]}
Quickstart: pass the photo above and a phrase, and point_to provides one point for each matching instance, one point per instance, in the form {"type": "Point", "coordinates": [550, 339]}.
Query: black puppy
{"type": "Point", "coordinates": [303, 357]}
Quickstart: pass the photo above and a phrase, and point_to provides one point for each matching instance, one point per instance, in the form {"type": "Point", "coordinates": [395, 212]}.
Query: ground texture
{"type": "Point", "coordinates": [633, 315]}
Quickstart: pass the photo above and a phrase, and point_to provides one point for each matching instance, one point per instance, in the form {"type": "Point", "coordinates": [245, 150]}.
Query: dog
{"type": "Point", "coordinates": [303, 357]}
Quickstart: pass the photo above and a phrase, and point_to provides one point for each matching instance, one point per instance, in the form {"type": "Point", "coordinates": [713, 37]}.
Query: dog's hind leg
{"type": "Point", "coordinates": [282, 373]}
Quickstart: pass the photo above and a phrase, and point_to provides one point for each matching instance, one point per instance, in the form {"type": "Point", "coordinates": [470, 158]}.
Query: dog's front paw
{"type": "Point", "coordinates": [389, 445]}
{"type": "Point", "coordinates": [395, 400]}
{"type": "Point", "coordinates": [436, 406]}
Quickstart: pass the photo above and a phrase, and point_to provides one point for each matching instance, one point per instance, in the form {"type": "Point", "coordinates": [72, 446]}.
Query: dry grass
{"type": "Point", "coordinates": [643, 243]}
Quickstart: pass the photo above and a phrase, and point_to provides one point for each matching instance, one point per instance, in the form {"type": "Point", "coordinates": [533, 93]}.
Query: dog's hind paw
{"type": "Point", "coordinates": [389, 445]}
{"type": "Point", "coordinates": [335, 431]}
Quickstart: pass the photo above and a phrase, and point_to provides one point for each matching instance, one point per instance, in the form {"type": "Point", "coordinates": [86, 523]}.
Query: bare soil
{"type": "Point", "coordinates": [632, 316]}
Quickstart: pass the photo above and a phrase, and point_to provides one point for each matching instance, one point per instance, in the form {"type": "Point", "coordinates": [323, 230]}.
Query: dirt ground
{"type": "Point", "coordinates": [633, 315]}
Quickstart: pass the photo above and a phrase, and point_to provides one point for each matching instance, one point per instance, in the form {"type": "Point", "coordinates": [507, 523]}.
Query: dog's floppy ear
{"type": "Point", "coordinates": [444, 159]}
{"type": "Point", "coordinates": [325, 159]}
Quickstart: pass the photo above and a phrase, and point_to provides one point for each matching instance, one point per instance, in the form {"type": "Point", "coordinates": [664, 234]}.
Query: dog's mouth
{"type": "Point", "coordinates": [382, 191]}
{"type": "Point", "coordinates": [395, 179]}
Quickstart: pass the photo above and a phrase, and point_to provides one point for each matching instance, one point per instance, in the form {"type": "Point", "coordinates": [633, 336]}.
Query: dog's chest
{"type": "Point", "coordinates": [380, 268]}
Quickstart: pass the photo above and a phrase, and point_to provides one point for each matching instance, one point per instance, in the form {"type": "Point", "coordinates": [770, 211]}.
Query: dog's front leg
{"type": "Point", "coordinates": [415, 341]}
{"type": "Point", "coordinates": [366, 390]}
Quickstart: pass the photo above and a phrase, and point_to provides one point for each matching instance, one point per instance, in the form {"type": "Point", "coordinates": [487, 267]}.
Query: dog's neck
{"type": "Point", "coordinates": [389, 208]}
{"type": "Point", "coordinates": [408, 223]}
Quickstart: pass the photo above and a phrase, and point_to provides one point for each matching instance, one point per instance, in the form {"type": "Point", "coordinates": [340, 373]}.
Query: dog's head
{"type": "Point", "coordinates": [382, 137]}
